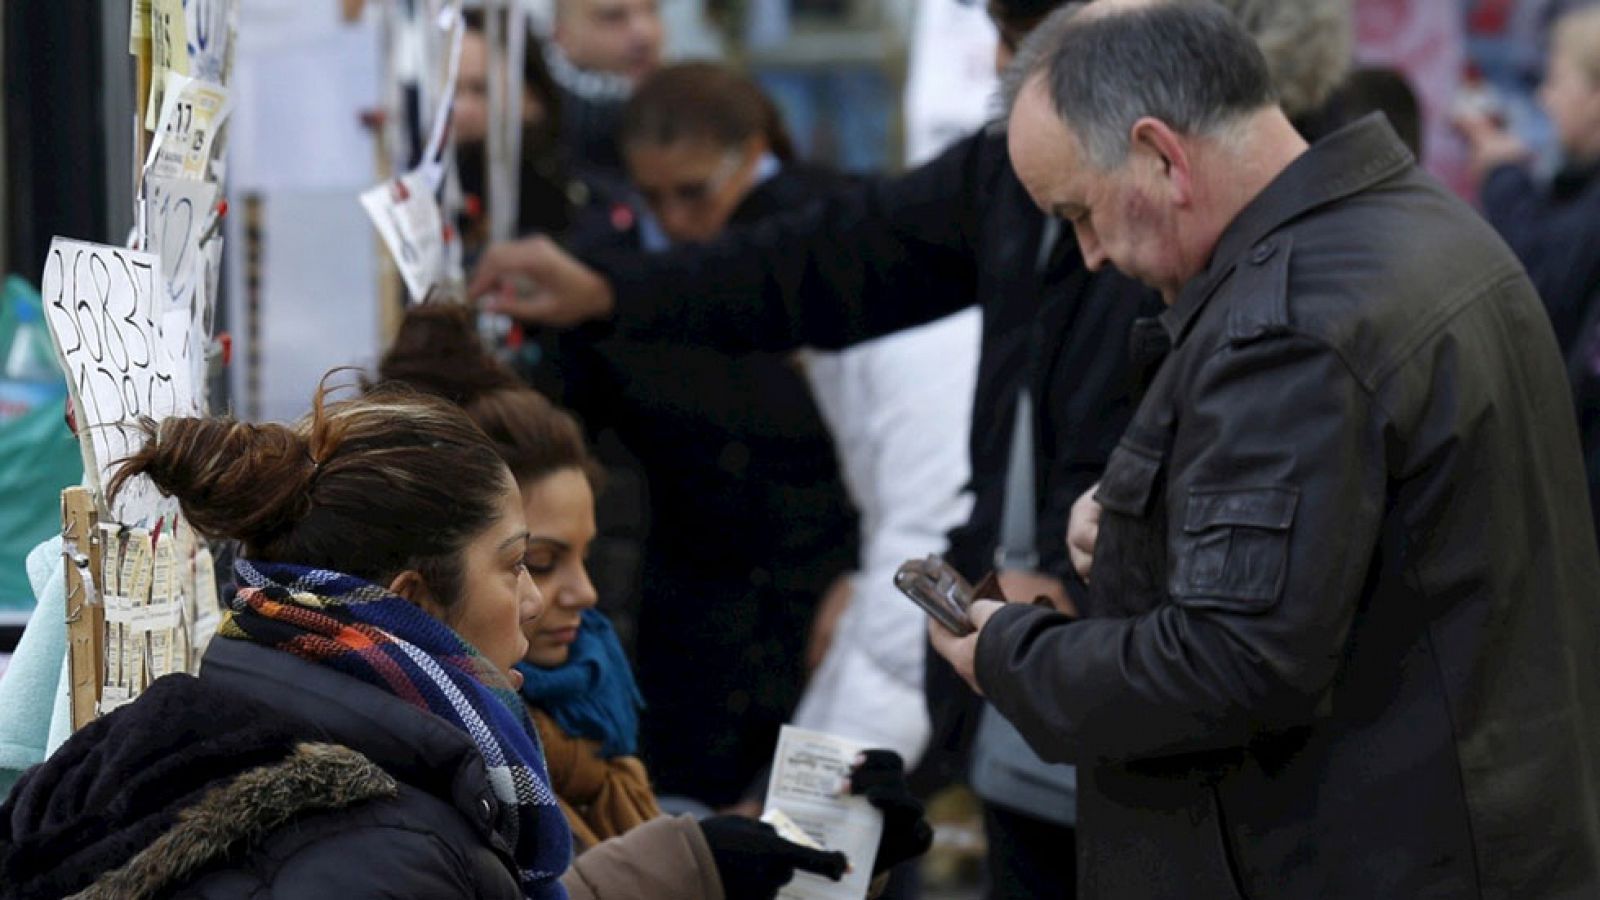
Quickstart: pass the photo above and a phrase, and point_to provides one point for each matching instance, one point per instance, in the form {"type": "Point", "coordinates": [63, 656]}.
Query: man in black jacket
{"type": "Point", "coordinates": [1340, 637]}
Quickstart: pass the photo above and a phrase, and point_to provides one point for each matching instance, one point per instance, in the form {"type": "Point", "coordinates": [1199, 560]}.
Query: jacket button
{"type": "Point", "coordinates": [1262, 253]}
{"type": "Point", "coordinates": [487, 808]}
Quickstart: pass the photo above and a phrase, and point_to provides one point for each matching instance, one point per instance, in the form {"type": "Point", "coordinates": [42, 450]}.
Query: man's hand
{"type": "Point", "coordinates": [962, 652]}
{"type": "Point", "coordinates": [1027, 587]}
{"type": "Point", "coordinates": [1083, 529]}
{"type": "Point", "coordinates": [564, 293]}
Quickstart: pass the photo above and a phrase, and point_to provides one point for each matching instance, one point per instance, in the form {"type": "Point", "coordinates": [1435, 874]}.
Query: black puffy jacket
{"type": "Point", "coordinates": [272, 777]}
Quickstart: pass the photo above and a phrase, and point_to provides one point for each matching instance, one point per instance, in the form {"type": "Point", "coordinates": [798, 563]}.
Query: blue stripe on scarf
{"type": "Point", "coordinates": [593, 694]}
{"type": "Point", "coordinates": [454, 680]}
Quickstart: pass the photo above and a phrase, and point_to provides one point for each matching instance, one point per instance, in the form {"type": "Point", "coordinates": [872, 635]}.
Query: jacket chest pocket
{"type": "Point", "coordinates": [1130, 559]}
{"type": "Point", "coordinates": [1233, 551]}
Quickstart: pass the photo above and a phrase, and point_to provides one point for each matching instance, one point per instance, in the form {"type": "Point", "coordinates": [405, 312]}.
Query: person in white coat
{"type": "Point", "coordinates": [900, 408]}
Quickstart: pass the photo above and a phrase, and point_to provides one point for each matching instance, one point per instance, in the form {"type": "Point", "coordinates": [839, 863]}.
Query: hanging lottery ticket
{"type": "Point", "coordinates": [193, 112]}
{"type": "Point", "coordinates": [406, 210]}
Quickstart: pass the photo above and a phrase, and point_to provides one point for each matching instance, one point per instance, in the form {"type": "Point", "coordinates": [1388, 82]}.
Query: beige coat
{"type": "Point", "coordinates": [664, 859]}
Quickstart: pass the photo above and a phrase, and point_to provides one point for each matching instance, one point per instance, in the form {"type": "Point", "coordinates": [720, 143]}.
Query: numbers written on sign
{"type": "Point", "coordinates": [100, 304]}
{"type": "Point", "coordinates": [210, 28]}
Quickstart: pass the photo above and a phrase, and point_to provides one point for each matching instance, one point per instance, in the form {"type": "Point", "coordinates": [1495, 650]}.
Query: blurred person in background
{"type": "Point", "coordinates": [550, 195]}
{"type": "Point", "coordinates": [600, 50]}
{"type": "Point", "coordinates": [749, 522]}
{"type": "Point", "coordinates": [705, 150]}
{"type": "Point", "coordinates": [1554, 227]}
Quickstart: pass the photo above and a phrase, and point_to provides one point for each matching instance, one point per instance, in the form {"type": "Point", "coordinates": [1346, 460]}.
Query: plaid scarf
{"type": "Point", "coordinates": [368, 633]}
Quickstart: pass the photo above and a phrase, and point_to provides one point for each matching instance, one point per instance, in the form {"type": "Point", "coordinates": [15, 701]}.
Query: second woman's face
{"type": "Point", "coordinates": [559, 510]}
{"type": "Point", "coordinates": [693, 186]}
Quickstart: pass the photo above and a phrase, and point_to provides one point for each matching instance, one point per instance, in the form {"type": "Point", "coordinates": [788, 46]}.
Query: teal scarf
{"type": "Point", "coordinates": [593, 695]}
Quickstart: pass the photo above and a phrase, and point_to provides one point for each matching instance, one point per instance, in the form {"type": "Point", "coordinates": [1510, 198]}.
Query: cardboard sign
{"type": "Point", "coordinates": [169, 42]}
{"type": "Point", "coordinates": [101, 304]}
{"type": "Point", "coordinates": [138, 24]}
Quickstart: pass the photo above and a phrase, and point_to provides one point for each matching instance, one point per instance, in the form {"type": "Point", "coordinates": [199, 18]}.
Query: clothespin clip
{"type": "Point", "coordinates": [221, 209]}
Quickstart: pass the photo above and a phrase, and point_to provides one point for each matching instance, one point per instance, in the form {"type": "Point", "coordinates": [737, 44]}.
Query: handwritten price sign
{"type": "Point", "coordinates": [102, 306]}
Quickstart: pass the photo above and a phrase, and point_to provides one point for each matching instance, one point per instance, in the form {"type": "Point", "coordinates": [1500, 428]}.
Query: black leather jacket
{"type": "Point", "coordinates": [1341, 637]}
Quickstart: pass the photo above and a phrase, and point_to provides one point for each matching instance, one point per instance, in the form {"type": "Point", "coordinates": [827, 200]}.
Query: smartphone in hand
{"type": "Point", "coordinates": [940, 590]}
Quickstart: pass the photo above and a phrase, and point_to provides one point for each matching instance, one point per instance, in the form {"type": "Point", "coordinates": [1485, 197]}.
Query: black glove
{"type": "Point", "coordinates": [755, 862]}
{"type": "Point", "coordinates": [880, 776]}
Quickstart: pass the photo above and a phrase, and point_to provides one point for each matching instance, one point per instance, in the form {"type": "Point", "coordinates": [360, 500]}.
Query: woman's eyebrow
{"type": "Point", "coordinates": [524, 537]}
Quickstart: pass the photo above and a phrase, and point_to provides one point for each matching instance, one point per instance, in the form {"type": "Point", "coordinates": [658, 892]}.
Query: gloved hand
{"type": "Point", "coordinates": [754, 862]}
{"type": "Point", "coordinates": [880, 776]}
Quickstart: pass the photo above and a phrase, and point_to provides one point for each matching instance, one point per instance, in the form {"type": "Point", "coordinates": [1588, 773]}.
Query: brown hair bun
{"type": "Point", "coordinates": [232, 479]}
{"type": "Point", "coordinates": [372, 486]}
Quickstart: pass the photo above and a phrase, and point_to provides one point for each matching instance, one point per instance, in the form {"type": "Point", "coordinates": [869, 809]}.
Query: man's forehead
{"type": "Point", "coordinates": [1036, 115]}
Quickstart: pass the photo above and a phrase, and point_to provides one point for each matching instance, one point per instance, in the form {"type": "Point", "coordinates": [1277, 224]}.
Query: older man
{"type": "Point", "coordinates": [1341, 634]}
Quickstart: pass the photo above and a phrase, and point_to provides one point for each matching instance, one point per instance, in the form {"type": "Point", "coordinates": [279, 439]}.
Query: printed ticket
{"type": "Point", "coordinates": [809, 788]}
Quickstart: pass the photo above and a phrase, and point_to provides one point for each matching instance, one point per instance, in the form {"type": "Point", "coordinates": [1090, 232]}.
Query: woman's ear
{"type": "Point", "coordinates": [413, 587]}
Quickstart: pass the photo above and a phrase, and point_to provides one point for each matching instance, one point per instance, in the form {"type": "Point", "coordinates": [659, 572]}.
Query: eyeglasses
{"type": "Point", "coordinates": [694, 193]}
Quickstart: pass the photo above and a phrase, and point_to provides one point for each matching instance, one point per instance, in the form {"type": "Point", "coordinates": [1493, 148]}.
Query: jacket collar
{"type": "Point", "coordinates": [416, 747]}
{"type": "Point", "coordinates": [1347, 162]}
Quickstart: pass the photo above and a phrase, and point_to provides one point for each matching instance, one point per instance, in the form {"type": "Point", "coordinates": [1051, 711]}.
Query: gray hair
{"type": "Point", "coordinates": [1187, 63]}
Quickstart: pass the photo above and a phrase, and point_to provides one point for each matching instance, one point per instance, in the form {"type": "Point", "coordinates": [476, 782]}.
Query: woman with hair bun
{"type": "Point", "coordinates": [577, 683]}
{"type": "Point", "coordinates": [355, 730]}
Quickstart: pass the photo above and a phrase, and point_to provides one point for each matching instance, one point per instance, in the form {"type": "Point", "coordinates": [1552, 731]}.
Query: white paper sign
{"type": "Point", "coordinates": [407, 216]}
{"type": "Point", "coordinates": [211, 25]}
{"type": "Point", "coordinates": [178, 214]}
{"type": "Point", "coordinates": [809, 773]}
{"type": "Point", "coordinates": [101, 304]}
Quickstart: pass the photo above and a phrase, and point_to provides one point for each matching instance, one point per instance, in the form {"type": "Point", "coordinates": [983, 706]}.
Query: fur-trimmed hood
{"type": "Point", "coordinates": [235, 816]}
{"type": "Point", "coordinates": [140, 799]}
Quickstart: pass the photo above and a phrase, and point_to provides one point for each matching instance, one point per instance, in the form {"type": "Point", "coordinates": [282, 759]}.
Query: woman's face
{"type": "Point", "coordinates": [469, 119]}
{"type": "Point", "coordinates": [559, 509]}
{"type": "Point", "coordinates": [694, 185]}
{"type": "Point", "coordinates": [1572, 99]}
{"type": "Point", "coordinates": [498, 597]}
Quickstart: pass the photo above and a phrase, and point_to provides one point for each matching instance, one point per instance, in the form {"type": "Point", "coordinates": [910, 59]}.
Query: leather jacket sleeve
{"type": "Point", "coordinates": [890, 254]}
{"type": "Point", "coordinates": [1277, 446]}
